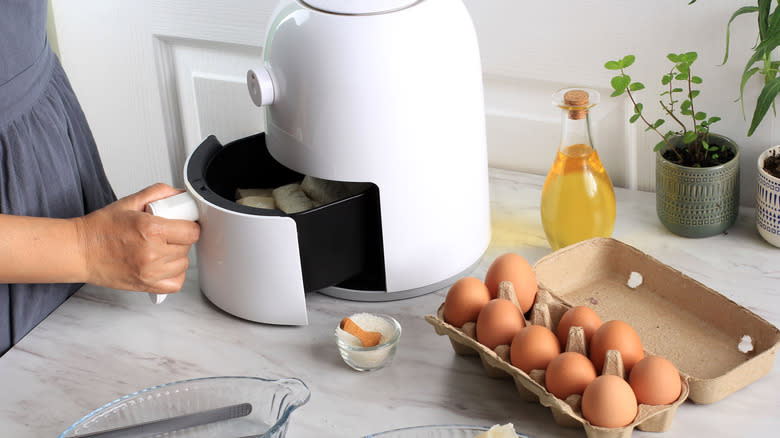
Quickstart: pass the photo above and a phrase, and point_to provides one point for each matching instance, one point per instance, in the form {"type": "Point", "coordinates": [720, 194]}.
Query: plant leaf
{"type": "Point", "coordinates": [713, 120]}
{"type": "Point", "coordinates": [659, 145]}
{"type": "Point", "coordinates": [677, 90]}
{"type": "Point", "coordinates": [766, 46]}
{"type": "Point", "coordinates": [666, 79]}
{"type": "Point", "coordinates": [740, 11]}
{"type": "Point", "coordinates": [763, 18]}
{"type": "Point", "coordinates": [705, 145]}
{"type": "Point", "coordinates": [639, 107]}
{"type": "Point", "coordinates": [700, 116]}
{"type": "Point", "coordinates": [658, 123]}
{"type": "Point", "coordinates": [764, 101]}
{"type": "Point", "coordinates": [690, 57]}
{"type": "Point", "coordinates": [620, 82]}
{"type": "Point", "coordinates": [682, 76]}
{"type": "Point", "coordinates": [636, 86]}
{"type": "Point", "coordinates": [745, 78]}
{"type": "Point", "coordinates": [689, 137]}
{"type": "Point", "coordinates": [694, 93]}
{"type": "Point", "coordinates": [627, 60]}
{"type": "Point", "coordinates": [612, 65]}
{"type": "Point", "coordinates": [634, 118]}
{"type": "Point", "coordinates": [673, 57]}
{"type": "Point", "coordinates": [696, 80]}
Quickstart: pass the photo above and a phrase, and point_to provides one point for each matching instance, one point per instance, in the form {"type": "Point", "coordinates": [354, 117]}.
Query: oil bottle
{"type": "Point", "coordinates": [578, 201]}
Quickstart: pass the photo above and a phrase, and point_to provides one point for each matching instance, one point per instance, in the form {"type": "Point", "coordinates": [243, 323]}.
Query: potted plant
{"type": "Point", "coordinates": [761, 64]}
{"type": "Point", "coordinates": [768, 196]}
{"type": "Point", "coordinates": [697, 171]}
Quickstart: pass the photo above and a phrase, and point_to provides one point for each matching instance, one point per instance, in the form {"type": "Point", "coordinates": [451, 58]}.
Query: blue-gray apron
{"type": "Point", "coordinates": [49, 164]}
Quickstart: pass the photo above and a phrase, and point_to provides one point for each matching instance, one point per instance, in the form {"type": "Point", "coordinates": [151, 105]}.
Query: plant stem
{"type": "Point", "coordinates": [692, 147]}
{"type": "Point", "coordinates": [642, 116]}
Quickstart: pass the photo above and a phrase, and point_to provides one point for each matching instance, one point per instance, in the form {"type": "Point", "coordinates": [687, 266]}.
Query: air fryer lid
{"type": "Point", "coordinates": [359, 7]}
{"type": "Point", "coordinates": [340, 243]}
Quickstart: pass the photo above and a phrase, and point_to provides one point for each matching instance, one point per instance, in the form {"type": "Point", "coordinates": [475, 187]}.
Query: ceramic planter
{"type": "Point", "coordinates": [768, 201]}
{"type": "Point", "coordinates": [697, 201]}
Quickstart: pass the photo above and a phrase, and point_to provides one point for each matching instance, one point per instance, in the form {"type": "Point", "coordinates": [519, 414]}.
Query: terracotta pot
{"type": "Point", "coordinates": [697, 201]}
{"type": "Point", "coordinates": [768, 201]}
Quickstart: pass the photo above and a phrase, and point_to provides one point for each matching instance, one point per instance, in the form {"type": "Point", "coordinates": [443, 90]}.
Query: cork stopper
{"type": "Point", "coordinates": [579, 100]}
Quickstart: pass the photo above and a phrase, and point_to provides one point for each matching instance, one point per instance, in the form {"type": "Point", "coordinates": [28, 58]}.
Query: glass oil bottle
{"type": "Point", "coordinates": [578, 201]}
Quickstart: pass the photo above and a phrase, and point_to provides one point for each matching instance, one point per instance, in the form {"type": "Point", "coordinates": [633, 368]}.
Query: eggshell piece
{"type": "Point", "coordinates": [465, 300]}
{"type": "Point", "coordinates": [616, 335]}
{"type": "Point", "coordinates": [655, 381]}
{"type": "Point", "coordinates": [608, 401]}
{"type": "Point", "coordinates": [513, 267]}
{"type": "Point", "coordinates": [569, 373]}
{"type": "Point", "coordinates": [533, 348]}
{"type": "Point", "coordinates": [498, 323]}
{"type": "Point", "coordinates": [578, 316]}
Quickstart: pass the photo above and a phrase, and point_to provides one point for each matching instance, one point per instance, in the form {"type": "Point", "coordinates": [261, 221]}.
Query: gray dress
{"type": "Point", "coordinates": [49, 164]}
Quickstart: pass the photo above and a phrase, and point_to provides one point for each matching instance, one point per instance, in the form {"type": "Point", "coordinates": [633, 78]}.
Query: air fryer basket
{"type": "Point", "coordinates": [340, 243]}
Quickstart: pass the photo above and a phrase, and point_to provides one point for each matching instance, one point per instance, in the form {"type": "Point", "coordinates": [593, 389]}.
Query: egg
{"type": "Point", "coordinates": [569, 373]}
{"type": "Point", "coordinates": [498, 323]}
{"type": "Point", "coordinates": [464, 301]}
{"type": "Point", "coordinates": [578, 316]}
{"type": "Point", "coordinates": [616, 335]}
{"type": "Point", "coordinates": [514, 268]}
{"type": "Point", "coordinates": [608, 401]}
{"type": "Point", "coordinates": [655, 381]}
{"type": "Point", "coordinates": [533, 348]}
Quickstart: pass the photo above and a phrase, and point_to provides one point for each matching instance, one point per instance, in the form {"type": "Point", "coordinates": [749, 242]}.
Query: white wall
{"type": "Point", "coordinates": [155, 76]}
{"type": "Point", "coordinates": [530, 49]}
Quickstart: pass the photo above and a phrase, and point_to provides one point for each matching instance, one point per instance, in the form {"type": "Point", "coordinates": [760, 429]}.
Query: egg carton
{"type": "Point", "coordinates": [547, 311]}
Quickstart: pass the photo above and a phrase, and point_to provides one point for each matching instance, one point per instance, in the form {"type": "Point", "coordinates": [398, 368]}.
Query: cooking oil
{"type": "Point", "coordinates": [578, 201]}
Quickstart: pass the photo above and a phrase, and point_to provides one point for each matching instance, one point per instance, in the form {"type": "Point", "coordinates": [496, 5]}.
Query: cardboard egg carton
{"type": "Point", "coordinates": [675, 316]}
{"type": "Point", "coordinates": [568, 413]}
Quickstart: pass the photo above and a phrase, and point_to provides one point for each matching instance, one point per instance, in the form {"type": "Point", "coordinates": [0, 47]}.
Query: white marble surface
{"type": "Point", "coordinates": [102, 344]}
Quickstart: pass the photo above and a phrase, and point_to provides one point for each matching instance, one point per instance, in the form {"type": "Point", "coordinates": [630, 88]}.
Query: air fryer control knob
{"type": "Point", "coordinates": [261, 86]}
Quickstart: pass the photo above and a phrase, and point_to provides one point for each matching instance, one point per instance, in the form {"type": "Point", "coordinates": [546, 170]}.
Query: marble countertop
{"type": "Point", "coordinates": [102, 344]}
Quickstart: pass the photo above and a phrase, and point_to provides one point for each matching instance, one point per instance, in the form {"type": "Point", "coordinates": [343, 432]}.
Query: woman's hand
{"type": "Point", "coordinates": [125, 248]}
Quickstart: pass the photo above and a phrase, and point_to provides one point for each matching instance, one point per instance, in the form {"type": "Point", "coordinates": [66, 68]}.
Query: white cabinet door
{"type": "Point", "coordinates": [156, 76]}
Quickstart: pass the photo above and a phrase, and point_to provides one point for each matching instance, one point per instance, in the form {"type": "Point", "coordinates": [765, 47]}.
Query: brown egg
{"type": "Point", "coordinates": [616, 335]}
{"type": "Point", "coordinates": [655, 381]}
{"type": "Point", "coordinates": [498, 322]}
{"type": "Point", "coordinates": [609, 402]}
{"type": "Point", "coordinates": [464, 301]}
{"type": "Point", "coordinates": [533, 348]}
{"type": "Point", "coordinates": [569, 373]}
{"type": "Point", "coordinates": [579, 316]}
{"type": "Point", "coordinates": [513, 267]}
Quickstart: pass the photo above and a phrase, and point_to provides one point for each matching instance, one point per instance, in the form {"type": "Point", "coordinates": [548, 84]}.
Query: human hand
{"type": "Point", "coordinates": [125, 248]}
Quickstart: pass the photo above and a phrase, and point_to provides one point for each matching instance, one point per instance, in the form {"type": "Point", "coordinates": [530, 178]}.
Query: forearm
{"type": "Point", "coordinates": [40, 250]}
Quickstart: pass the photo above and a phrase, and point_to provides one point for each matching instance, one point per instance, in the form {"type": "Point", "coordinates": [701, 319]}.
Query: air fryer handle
{"type": "Point", "coordinates": [181, 206]}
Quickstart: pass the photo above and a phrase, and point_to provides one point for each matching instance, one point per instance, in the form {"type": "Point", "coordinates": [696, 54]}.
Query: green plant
{"type": "Point", "coordinates": [768, 22]}
{"type": "Point", "coordinates": [679, 81]}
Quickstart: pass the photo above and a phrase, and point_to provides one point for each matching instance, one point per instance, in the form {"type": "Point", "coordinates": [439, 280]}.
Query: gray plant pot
{"type": "Point", "coordinates": [697, 201]}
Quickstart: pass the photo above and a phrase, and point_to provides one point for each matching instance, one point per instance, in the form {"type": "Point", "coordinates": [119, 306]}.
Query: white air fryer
{"type": "Point", "coordinates": [385, 92]}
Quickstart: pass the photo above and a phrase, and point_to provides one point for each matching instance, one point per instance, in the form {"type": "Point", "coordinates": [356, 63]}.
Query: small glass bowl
{"type": "Point", "coordinates": [370, 358]}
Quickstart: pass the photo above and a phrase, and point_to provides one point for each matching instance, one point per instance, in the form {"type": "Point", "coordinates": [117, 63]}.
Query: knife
{"type": "Point", "coordinates": [155, 427]}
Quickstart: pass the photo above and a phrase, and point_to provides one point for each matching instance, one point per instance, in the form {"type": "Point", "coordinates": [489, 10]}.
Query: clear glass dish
{"type": "Point", "coordinates": [371, 358]}
{"type": "Point", "coordinates": [272, 403]}
{"type": "Point", "coordinates": [436, 431]}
